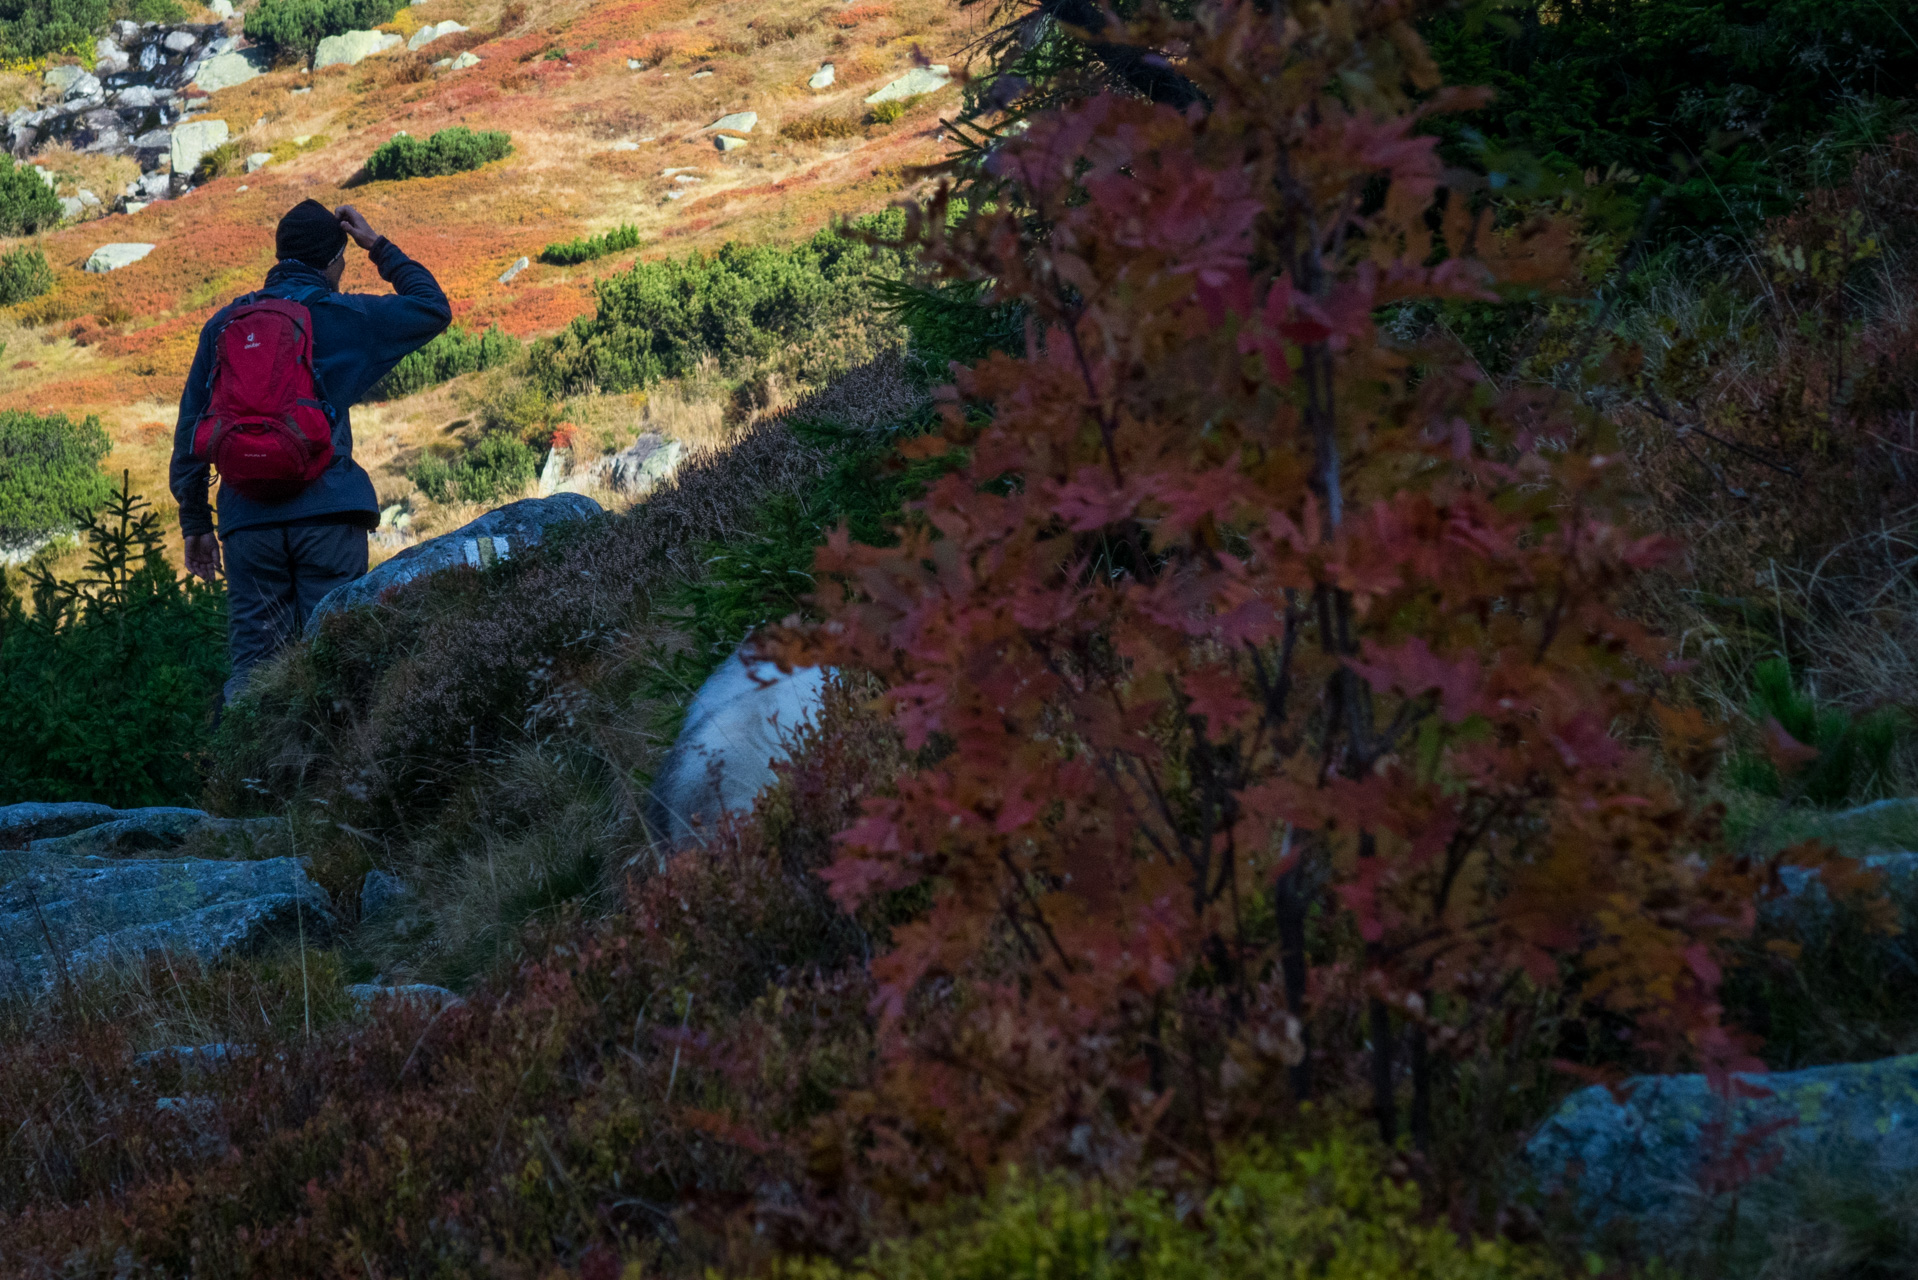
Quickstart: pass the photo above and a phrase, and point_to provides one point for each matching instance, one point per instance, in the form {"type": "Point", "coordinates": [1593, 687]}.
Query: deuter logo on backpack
{"type": "Point", "coordinates": [265, 429]}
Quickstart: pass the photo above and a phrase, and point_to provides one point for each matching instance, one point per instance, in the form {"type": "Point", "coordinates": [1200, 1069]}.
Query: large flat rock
{"type": "Point", "coordinates": [352, 47]}
{"type": "Point", "coordinates": [1642, 1158]}
{"type": "Point", "coordinates": [111, 257]}
{"type": "Point", "coordinates": [225, 70]}
{"type": "Point", "coordinates": [186, 831]}
{"type": "Point", "coordinates": [497, 535]}
{"type": "Point", "coordinates": [917, 81]}
{"type": "Point", "coordinates": [190, 142]}
{"type": "Point", "coordinates": [67, 915]}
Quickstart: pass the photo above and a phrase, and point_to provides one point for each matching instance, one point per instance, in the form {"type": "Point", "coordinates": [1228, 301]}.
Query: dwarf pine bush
{"type": "Point", "coordinates": [24, 274]}
{"type": "Point", "coordinates": [1853, 751]}
{"type": "Point", "coordinates": [498, 466]}
{"type": "Point", "coordinates": [49, 468]}
{"type": "Point", "coordinates": [27, 203]}
{"type": "Point", "coordinates": [454, 150]}
{"type": "Point", "coordinates": [567, 253]}
{"type": "Point", "coordinates": [35, 28]}
{"type": "Point", "coordinates": [296, 27]}
{"type": "Point", "coordinates": [452, 353]}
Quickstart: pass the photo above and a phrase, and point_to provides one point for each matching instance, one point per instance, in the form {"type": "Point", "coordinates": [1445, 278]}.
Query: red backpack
{"type": "Point", "coordinates": [265, 428]}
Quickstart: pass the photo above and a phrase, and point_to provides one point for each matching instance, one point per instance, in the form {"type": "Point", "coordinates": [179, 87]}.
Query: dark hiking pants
{"type": "Point", "coordinates": [274, 577]}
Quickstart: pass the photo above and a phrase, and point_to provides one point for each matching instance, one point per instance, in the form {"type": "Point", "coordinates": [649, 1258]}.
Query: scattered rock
{"type": "Point", "coordinates": [384, 894]}
{"type": "Point", "coordinates": [726, 142]}
{"type": "Point", "coordinates": [558, 463]}
{"type": "Point", "coordinates": [625, 144]}
{"type": "Point", "coordinates": [507, 276]}
{"type": "Point", "coordinates": [650, 459]}
{"type": "Point", "coordinates": [221, 9]}
{"type": "Point", "coordinates": [179, 41]}
{"type": "Point", "coordinates": [46, 176]}
{"type": "Point", "coordinates": [225, 70]}
{"type": "Point", "coordinates": [1642, 1157]}
{"type": "Point", "coordinates": [822, 78]}
{"type": "Point", "coordinates": [915, 82]}
{"type": "Point", "coordinates": [96, 911]}
{"type": "Point", "coordinates": [132, 206]}
{"type": "Point", "coordinates": [635, 64]}
{"type": "Point", "coordinates": [193, 1055]}
{"type": "Point", "coordinates": [352, 47]}
{"type": "Point", "coordinates": [63, 77]}
{"type": "Point", "coordinates": [497, 535]}
{"type": "Point", "coordinates": [736, 726]}
{"type": "Point", "coordinates": [37, 820]}
{"type": "Point", "coordinates": [70, 207]}
{"type": "Point", "coordinates": [465, 60]}
{"type": "Point", "coordinates": [700, 75]}
{"type": "Point", "coordinates": [190, 142]}
{"type": "Point", "coordinates": [428, 34]}
{"type": "Point", "coordinates": [87, 198]}
{"type": "Point", "coordinates": [111, 257]}
{"type": "Point", "coordinates": [420, 993]}
{"type": "Point", "coordinates": [737, 122]}
{"type": "Point", "coordinates": [258, 160]}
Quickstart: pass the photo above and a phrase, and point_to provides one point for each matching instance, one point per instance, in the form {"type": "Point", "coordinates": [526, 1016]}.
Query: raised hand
{"type": "Point", "coordinates": [354, 223]}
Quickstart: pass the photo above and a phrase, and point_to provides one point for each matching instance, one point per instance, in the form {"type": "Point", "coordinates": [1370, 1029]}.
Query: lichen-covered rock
{"type": "Point", "coordinates": [649, 460]}
{"type": "Point", "coordinates": [111, 257]}
{"type": "Point", "coordinates": [737, 122]}
{"type": "Point", "coordinates": [433, 31]}
{"type": "Point", "coordinates": [36, 820]}
{"type": "Point", "coordinates": [419, 993]}
{"type": "Point", "coordinates": [190, 142]}
{"type": "Point", "coordinates": [495, 536]}
{"type": "Point", "coordinates": [736, 727]}
{"type": "Point", "coordinates": [184, 831]}
{"type": "Point", "coordinates": [822, 78]}
{"type": "Point", "coordinates": [1643, 1157]}
{"type": "Point", "coordinates": [384, 895]}
{"type": "Point", "coordinates": [915, 82]}
{"type": "Point", "coordinates": [351, 47]}
{"type": "Point", "coordinates": [65, 915]}
{"type": "Point", "coordinates": [225, 70]}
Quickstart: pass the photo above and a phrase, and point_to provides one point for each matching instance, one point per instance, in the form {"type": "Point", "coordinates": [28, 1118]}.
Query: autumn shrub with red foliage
{"type": "Point", "coordinates": [1271, 667]}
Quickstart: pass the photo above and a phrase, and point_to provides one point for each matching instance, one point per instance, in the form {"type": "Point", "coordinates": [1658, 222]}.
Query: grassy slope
{"type": "Point", "coordinates": [119, 344]}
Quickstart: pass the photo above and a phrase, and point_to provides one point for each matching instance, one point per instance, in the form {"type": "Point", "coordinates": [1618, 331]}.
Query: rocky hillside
{"type": "Point", "coordinates": [693, 123]}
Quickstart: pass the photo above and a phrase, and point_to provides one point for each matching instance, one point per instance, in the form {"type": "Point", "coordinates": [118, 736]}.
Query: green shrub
{"type": "Point", "coordinates": [36, 28]}
{"type": "Point", "coordinates": [500, 465]}
{"type": "Point", "coordinates": [890, 112]}
{"type": "Point", "coordinates": [27, 203]}
{"type": "Point", "coordinates": [49, 472]}
{"type": "Point", "coordinates": [298, 26]}
{"type": "Point", "coordinates": [660, 319]}
{"type": "Point", "coordinates": [24, 275]}
{"type": "Point", "coordinates": [448, 356]}
{"type": "Point", "coordinates": [1854, 752]}
{"type": "Point", "coordinates": [453, 150]}
{"type": "Point", "coordinates": [105, 683]}
{"type": "Point", "coordinates": [1329, 1212]}
{"type": "Point", "coordinates": [156, 11]}
{"type": "Point", "coordinates": [585, 249]}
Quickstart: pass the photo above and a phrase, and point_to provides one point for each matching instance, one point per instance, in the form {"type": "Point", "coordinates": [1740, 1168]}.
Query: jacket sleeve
{"type": "Point", "coordinates": [186, 477]}
{"type": "Point", "coordinates": [401, 323]}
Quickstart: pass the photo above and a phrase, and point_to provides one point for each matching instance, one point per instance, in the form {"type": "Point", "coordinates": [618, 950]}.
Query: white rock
{"type": "Point", "coordinates": [353, 47]}
{"type": "Point", "coordinates": [87, 198]}
{"type": "Point", "coordinates": [625, 144]}
{"type": "Point", "coordinates": [62, 78]}
{"type": "Point", "coordinates": [225, 70]}
{"type": "Point", "coordinates": [634, 64]}
{"type": "Point", "coordinates": [443, 64]}
{"type": "Point", "coordinates": [134, 206]}
{"type": "Point", "coordinates": [726, 142]}
{"type": "Point", "coordinates": [737, 122]}
{"type": "Point", "coordinates": [915, 82]}
{"type": "Point", "coordinates": [822, 78]}
{"type": "Point", "coordinates": [45, 176]}
{"type": "Point", "coordinates": [70, 207]}
{"type": "Point", "coordinates": [428, 34]}
{"type": "Point", "coordinates": [258, 161]}
{"type": "Point", "coordinates": [700, 75]}
{"type": "Point", "coordinates": [240, 188]}
{"type": "Point", "coordinates": [189, 142]}
{"type": "Point", "coordinates": [687, 179]}
{"type": "Point", "coordinates": [221, 9]}
{"type": "Point", "coordinates": [111, 257]}
{"type": "Point", "coordinates": [736, 726]}
{"type": "Point", "coordinates": [465, 60]}
{"type": "Point", "coordinates": [85, 86]}
{"type": "Point", "coordinates": [106, 49]}
{"type": "Point", "coordinates": [506, 276]}
{"type": "Point", "coordinates": [225, 44]}
{"type": "Point", "coordinates": [179, 41]}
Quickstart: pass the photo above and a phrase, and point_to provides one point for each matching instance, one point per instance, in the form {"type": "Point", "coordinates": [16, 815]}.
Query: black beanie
{"type": "Point", "coordinates": [310, 233]}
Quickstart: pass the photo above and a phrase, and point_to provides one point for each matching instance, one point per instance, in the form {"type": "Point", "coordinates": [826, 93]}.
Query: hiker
{"type": "Point", "coordinates": [294, 507]}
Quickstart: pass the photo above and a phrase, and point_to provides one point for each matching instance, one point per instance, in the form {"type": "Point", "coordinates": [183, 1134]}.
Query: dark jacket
{"type": "Point", "coordinates": [357, 338]}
